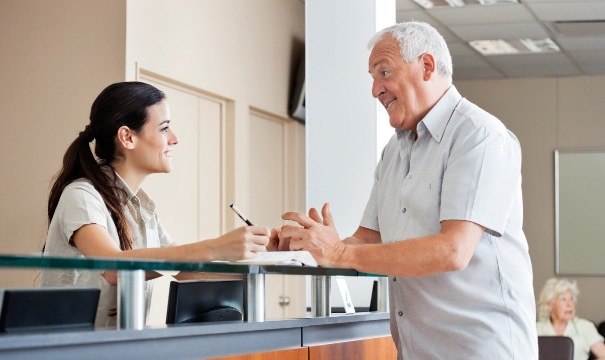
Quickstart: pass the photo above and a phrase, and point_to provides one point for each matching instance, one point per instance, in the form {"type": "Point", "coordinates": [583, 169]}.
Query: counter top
{"type": "Point", "coordinates": [194, 340]}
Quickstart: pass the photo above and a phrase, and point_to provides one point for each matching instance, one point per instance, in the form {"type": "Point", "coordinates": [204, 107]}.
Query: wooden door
{"type": "Point", "coordinates": [275, 158]}
{"type": "Point", "coordinates": [191, 199]}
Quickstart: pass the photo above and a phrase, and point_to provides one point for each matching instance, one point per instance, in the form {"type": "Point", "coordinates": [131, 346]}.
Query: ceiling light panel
{"type": "Point", "coordinates": [514, 46]}
{"type": "Point", "coordinates": [429, 4]}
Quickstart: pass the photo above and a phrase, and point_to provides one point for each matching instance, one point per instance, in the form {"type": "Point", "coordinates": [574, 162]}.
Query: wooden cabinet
{"type": "Point", "coordinates": [375, 348]}
{"type": "Point", "coordinates": [381, 348]}
{"type": "Point", "coordinates": [289, 354]}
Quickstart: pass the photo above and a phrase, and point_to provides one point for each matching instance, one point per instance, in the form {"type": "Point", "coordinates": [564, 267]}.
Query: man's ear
{"type": "Point", "coordinates": [429, 65]}
{"type": "Point", "coordinates": [126, 138]}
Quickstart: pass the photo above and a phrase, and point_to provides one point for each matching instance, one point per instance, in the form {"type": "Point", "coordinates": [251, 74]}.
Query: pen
{"type": "Point", "coordinates": [240, 215]}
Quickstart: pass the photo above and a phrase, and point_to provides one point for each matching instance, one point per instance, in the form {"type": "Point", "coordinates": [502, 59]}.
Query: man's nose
{"type": "Point", "coordinates": [377, 88]}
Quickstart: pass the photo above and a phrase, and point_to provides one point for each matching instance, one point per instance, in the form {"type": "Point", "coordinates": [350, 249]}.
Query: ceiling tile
{"type": "Point", "coordinates": [578, 28]}
{"type": "Point", "coordinates": [556, 1]}
{"type": "Point", "coordinates": [448, 36]}
{"type": "Point", "coordinates": [465, 62]}
{"type": "Point", "coordinates": [529, 60]}
{"type": "Point", "coordinates": [420, 15]}
{"type": "Point", "coordinates": [480, 73]}
{"type": "Point", "coordinates": [593, 69]}
{"type": "Point", "coordinates": [530, 30]}
{"type": "Point", "coordinates": [492, 14]}
{"type": "Point", "coordinates": [581, 43]}
{"type": "Point", "coordinates": [589, 57]}
{"type": "Point", "coordinates": [461, 49]}
{"type": "Point", "coordinates": [417, 15]}
{"type": "Point", "coordinates": [541, 71]}
{"type": "Point", "coordinates": [406, 5]}
{"type": "Point", "coordinates": [571, 10]}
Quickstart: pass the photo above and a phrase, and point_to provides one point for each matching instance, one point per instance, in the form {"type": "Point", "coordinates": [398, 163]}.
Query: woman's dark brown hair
{"type": "Point", "coordinates": [120, 104]}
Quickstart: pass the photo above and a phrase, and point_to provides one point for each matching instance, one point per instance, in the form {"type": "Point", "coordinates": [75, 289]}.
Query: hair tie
{"type": "Point", "coordinates": [88, 133]}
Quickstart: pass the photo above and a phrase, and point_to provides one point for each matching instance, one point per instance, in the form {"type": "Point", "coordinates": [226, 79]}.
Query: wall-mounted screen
{"type": "Point", "coordinates": [580, 212]}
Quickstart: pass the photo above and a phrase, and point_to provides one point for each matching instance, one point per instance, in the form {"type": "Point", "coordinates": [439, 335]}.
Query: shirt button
{"type": "Point", "coordinates": [404, 210]}
{"type": "Point", "coordinates": [400, 313]}
{"type": "Point", "coordinates": [394, 278]}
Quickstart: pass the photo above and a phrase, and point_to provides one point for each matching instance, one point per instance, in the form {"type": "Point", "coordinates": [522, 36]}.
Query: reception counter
{"type": "Point", "coordinates": [195, 341]}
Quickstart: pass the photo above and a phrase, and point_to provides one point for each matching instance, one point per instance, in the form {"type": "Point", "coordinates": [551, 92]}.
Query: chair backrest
{"type": "Point", "coordinates": [601, 328]}
{"type": "Point", "coordinates": [202, 301]}
{"type": "Point", "coordinates": [555, 348]}
{"type": "Point", "coordinates": [48, 309]}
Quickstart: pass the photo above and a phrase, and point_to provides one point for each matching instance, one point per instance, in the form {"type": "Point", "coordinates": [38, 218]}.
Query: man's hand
{"type": "Point", "coordinates": [275, 244]}
{"type": "Point", "coordinates": [318, 236]}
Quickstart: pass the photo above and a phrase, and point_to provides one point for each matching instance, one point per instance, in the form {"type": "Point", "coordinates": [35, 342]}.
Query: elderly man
{"type": "Point", "coordinates": [444, 218]}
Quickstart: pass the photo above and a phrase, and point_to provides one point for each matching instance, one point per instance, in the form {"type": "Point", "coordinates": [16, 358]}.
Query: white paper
{"type": "Point", "coordinates": [346, 296]}
{"type": "Point", "coordinates": [302, 258]}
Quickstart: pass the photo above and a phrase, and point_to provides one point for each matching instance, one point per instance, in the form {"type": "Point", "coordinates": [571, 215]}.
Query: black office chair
{"type": "Point", "coordinates": [555, 348]}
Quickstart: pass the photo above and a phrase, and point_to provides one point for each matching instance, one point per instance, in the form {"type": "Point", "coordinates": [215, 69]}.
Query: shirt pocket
{"type": "Point", "coordinates": [427, 200]}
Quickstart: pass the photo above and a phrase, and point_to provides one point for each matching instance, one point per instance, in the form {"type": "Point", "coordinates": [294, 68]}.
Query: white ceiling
{"type": "Point", "coordinates": [577, 26]}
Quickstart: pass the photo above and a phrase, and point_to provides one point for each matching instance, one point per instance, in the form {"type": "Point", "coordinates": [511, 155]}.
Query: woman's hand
{"type": "Point", "coordinates": [241, 243]}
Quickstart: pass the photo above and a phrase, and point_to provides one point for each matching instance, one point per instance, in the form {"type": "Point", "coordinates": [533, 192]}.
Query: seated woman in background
{"type": "Point", "coordinates": [96, 207]}
{"type": "Point", "coordinates": [557, 317]}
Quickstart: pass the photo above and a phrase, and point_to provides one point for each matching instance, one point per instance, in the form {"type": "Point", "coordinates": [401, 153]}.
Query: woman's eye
{"type": "Point", "coordinates": [165, 129]}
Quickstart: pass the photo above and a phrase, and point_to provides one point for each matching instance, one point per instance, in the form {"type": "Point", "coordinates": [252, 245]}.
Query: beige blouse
{"type": "Point", "coordinates": [81, 204]}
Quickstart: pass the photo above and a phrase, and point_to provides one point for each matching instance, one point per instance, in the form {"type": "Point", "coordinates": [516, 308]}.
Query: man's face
{"type": "Point", "coordinates": [397, 84]}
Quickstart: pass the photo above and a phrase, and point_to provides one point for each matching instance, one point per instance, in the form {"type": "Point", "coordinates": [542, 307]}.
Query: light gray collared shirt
{"type": "Point", "coordinates": [81, 204]}
{"type": "Point", "coordinates": [464, 165]}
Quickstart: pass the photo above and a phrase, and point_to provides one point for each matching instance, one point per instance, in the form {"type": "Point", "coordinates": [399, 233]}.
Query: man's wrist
{"type": "Point", "coordinates": [344, 255]}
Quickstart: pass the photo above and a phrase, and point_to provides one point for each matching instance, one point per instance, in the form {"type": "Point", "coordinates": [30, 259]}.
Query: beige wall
{"type": "Point", "coordinates": [55, 57]}
{"type": "Point", "coordinates": [548, 114]}
{"type": "Point", "coordinates": [243, 50]}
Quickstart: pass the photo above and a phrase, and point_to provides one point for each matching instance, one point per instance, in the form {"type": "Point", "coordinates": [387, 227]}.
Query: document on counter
{"type": "Point", "coordinates": [301, 258]}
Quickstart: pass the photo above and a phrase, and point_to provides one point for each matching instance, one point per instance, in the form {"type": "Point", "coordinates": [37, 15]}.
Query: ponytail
{"type": "Point", "coordinates": [79, 162]}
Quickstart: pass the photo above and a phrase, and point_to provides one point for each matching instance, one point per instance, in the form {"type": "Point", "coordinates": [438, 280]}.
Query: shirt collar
{"type": "Point", "coordinates": [438, 117]}
{"type": "Point", "coordinates": [140, 197]}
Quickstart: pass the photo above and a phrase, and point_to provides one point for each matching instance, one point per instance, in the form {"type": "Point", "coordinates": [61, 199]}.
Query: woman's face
{"type": "Point", "coordinates": [563, 306]}
{"type": "Point", "coordinates": [154, 142]}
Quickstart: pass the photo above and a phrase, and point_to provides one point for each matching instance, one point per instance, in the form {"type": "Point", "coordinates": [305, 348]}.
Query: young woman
{"type": "Point", "coordinates": [97, 208]}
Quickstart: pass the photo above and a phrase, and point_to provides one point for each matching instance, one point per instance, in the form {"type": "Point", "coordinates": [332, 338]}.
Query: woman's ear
{"type": "Point", "coordinates": [126, 138]}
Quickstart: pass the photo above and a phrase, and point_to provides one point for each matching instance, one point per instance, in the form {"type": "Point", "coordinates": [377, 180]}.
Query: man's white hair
{"type": "Point", "coordinates": [416, 38]}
